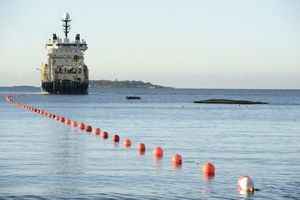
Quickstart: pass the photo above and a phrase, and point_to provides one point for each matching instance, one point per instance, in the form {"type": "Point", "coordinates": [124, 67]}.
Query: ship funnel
{"type": "Point", "coordinates": [66, 24]}
{"type": "Point", "coordinates": [77, 38]}
{"type": "Point", "coordinates": [54, 37]}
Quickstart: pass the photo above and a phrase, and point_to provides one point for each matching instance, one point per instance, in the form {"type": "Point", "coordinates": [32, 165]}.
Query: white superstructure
{"type": "Point", "coordinates": [65, 71]}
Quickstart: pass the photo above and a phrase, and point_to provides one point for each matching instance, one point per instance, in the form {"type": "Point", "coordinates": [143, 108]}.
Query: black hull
{"type": "Point", "coordinates": [65, 87]}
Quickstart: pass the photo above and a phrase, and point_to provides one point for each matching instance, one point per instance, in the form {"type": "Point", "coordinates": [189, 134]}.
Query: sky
{"type": "Point", "coordinates": [178, 43]}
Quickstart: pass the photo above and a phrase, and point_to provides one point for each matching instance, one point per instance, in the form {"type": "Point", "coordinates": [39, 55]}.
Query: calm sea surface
{"type": "Point", "coordinates": [43, 159]}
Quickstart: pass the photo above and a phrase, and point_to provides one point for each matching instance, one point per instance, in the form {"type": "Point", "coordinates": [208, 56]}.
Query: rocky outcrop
{"type": "Point", "coordinates": [229, 101]}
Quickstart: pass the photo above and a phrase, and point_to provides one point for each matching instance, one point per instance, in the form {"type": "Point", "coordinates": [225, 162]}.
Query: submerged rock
{"type": "Point", "coordinates": [230, 101]}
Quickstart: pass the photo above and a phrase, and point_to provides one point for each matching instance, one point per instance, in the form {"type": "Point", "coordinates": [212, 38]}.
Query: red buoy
{"type": "Point", "coordinates": [68, 122]}
{"type": "Point", "coordinates": [82, 126]}
{"type": "Point", "coordinates": [127, 143]}
{"type": "Point", "coordinates": [88, 128]}
{"type": "Point", "coordinates": [97, 131]}
{"type": "Point", "coordinates": [208, 169]}
{"type": "Point", "coordinates": [62, 120]}
{"type": "Point", "coordinates": [116, 138]}
{"type": "Point", "coordinates": [177, 160]}
{"type": "Point", "coordinates": [74, 124]}
{"type": "Point", "coordinates": [141, 148]}
{"type": "Point", "coordinates": [158, 152]}
{"type": "Point", "coordinates": [104, 134]}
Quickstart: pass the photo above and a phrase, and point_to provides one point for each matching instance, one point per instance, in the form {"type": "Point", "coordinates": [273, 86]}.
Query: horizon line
{"type": "Point", "coordinates": [169, 87]}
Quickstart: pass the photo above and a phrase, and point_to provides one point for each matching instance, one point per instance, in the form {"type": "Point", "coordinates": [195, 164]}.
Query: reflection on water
{"type": "Point", "coordinates": [66, 162]}
{"type": "Point", "coordinates": [207, 178]}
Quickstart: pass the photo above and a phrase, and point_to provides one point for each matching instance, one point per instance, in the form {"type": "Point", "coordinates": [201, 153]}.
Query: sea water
{"type": "Point", "coordinates": [44, 159]}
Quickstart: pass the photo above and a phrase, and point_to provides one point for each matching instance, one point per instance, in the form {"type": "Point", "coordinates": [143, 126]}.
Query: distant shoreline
{"type": "Point", "coordinates": [95, 84]}
{"type": "Point", "coordinates": [125, 84]}
{"type": "Point", "coordinates": [130, 84]}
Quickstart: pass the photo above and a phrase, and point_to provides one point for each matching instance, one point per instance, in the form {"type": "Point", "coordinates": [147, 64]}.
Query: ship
{"type": "Point", "coordinates": [64, 71]}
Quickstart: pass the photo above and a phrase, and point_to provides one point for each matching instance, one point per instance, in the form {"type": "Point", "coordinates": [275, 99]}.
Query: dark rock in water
{"type": "Point", "coordinates": [133, 98]}
{"type": "Point", "coordinates": [230, 101]}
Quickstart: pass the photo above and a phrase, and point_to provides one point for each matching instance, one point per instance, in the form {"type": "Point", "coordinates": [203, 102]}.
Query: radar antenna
{"type": "Point", "coordinates": [66, 24]}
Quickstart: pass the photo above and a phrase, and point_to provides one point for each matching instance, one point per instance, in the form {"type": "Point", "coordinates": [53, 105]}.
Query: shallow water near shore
{"type": "Point", "coordinates": [43, 159]}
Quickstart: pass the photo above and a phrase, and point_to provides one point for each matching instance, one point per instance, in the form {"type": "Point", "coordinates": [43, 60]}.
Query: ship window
{"type": "Point", "coordinates": [76, 58]}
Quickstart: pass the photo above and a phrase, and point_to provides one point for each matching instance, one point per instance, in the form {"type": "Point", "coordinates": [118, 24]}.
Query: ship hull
{"type": "Point", "coordinates": [65, 87]}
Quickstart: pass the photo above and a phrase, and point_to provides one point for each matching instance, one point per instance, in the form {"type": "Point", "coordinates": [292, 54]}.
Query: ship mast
{"type": "Point", "coordinates": [66, 24]}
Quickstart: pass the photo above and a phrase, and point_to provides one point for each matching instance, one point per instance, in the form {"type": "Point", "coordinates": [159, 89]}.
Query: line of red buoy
{"type": "Point", "coordinates": [127, 143]}
{"type": "Point", "coordinates": [245, 183]}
